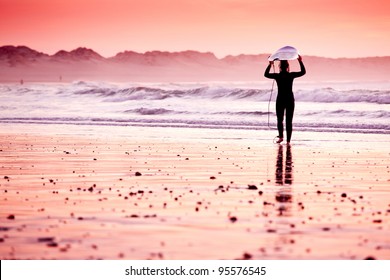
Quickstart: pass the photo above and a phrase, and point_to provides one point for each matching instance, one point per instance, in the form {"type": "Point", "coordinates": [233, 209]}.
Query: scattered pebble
{"type": "Point", "coordinates": [52, 244]}
{"type": "Point", "coordinates": [247, 256]}
{"type": "Point", "coordinates": [45, 239]}
{"type": "Point", "coordinates": [133, 216]}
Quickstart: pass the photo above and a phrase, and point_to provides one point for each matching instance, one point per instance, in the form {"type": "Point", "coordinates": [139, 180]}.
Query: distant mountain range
{"type": "Point", "coordinates": [22, 63]}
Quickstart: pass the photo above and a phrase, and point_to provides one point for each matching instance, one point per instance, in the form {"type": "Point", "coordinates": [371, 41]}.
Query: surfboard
{"type": "Point", "coordinates": [285, 53]}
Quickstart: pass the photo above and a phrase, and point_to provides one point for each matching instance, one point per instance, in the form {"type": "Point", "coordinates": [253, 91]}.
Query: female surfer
{"type": "Point", "coordinates": [285, 99]}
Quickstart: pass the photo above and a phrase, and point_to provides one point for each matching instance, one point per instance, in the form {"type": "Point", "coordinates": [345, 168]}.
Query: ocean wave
{"type": "Point", "coordinates": [122, 93]}
{"type": "Point", "coordinates": [249, 113]}
{"type": "Point", "coordinates": [330, 95]}
{"type": "Point", "coordinates": [204, 123]}
{"type": "Point", "coordinates": [163, 111]}
{"type": "Point", "coordinates": [153, 111]}
{"type": "Point", "coordinates": [325, 94]}
{"type": "Point", "coordinates": [195, 105]}
{"type": "Point", "coordinates": [379, 114]}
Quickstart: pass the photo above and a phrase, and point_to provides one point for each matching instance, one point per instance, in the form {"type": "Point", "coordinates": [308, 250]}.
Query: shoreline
{"type": "Point", "coordinates": [166, 193]}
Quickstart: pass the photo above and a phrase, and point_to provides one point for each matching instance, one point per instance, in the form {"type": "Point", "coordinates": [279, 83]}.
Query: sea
{"type": "Point", "coordinates": [347, 106]}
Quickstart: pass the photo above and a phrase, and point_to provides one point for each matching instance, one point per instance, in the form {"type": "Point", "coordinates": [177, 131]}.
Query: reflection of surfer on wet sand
{"type": "Point", "coordinates": [287, 179]}
{"type": "Point", "coordinates": [284, 194]}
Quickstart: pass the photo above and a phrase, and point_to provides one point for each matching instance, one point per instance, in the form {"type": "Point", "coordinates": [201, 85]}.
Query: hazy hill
{"type": "Point", "coordinates": [21, 62]}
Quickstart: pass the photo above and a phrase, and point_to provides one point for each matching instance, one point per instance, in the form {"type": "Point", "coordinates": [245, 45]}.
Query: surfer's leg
{"type": "Point", "coordinates": [280, 115]}
{"type": "Point", "coordinates": [289, 118]}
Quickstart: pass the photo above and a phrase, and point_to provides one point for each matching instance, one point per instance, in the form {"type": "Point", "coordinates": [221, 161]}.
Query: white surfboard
{"type": "Point", "coordinates": [285, 53]}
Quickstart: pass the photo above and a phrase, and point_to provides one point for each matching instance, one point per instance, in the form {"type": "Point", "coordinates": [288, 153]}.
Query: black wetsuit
{"type": "Point", "coordinates": [285, 99]}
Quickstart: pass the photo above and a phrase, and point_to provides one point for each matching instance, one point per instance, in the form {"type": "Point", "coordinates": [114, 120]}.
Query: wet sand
{"type": "Point", "coordinates": [151, 193]}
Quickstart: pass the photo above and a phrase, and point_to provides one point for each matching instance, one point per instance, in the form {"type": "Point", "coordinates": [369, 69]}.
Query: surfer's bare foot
{"type": "Point", "coordinates": [280, 140]}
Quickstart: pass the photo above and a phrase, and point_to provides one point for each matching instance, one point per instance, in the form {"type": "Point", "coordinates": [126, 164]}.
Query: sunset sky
{"type": "Point", "coordinates": [332, 28]}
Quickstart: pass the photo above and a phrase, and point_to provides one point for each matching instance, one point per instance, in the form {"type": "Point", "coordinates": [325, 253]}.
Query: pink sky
{"type": "Point", "coordinates": [333, 28]}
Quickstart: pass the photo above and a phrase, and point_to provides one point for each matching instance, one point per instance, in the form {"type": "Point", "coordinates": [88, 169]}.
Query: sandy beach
{"type": "Point", "coordinates": [166, 193]}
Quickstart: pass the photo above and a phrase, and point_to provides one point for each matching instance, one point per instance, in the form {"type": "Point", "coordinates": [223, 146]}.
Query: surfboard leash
{"type": "Point", "coordinates": [270, 97]}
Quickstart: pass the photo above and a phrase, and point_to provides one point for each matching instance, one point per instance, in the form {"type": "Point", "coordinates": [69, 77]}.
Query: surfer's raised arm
{"type": "Point", "coordinates": [303, 69]}
{"type": "Point", "coordinates": [267, 74]}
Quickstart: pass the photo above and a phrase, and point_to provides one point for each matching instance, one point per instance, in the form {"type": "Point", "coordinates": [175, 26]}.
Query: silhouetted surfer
{"type": "Point", "coordinates": [285, 99]}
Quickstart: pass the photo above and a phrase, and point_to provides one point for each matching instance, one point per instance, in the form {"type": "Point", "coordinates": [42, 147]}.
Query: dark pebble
{"type": "Point", "coordinates": [52, 244]}
{"type": "Point", "coordinates": [45, 239]}
{"type": "Point", "coordinates": [11, 217]}
{"type": "Point", "coordinates": [138, 173]}
{"type": "Point", "coordinates": [377, 221]}
{"type": "Point", "coordinates": [252, 187]}
{"type": "Point", "coordinates": [247, 256]}
{"type": "Point", "coordinates": [150, 216]}
{"type": "Point", "coordinates": [370, 258]}
{"type": "Point", "coordinates": [343, 195]}
{"type": "Point", "coordinates": [233, 219]}
{"type": "Point", "coordinates": [6, 178]}
{"type": "Point", "coordinates": [90, 189]}
{"type": "Point", "coordinates": [212, 178]}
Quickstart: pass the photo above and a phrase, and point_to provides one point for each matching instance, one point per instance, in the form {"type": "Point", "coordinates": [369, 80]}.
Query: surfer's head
{"type": "Point", "coordinates": [284, 66]}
